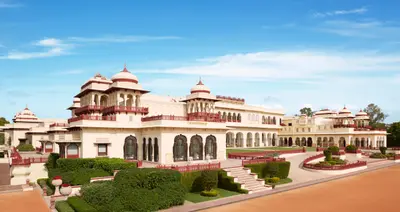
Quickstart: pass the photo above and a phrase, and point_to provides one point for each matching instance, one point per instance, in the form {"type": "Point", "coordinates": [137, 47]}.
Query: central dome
{"type": "Point", "coordinates": [200, 88]}
{"type": "Point", "coordinates": [344, 111]}
{"type": "Point", "coordinates": [26, 114]}
{"type": "Point", "coordinates": [124, 76]}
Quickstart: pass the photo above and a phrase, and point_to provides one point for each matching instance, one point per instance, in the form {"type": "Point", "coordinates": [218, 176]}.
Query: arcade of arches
{"type": "Point", "coordinates": [252, 139]}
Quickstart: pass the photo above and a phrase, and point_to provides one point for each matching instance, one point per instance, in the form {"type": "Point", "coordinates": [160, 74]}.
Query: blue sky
{"type": "Point", "coordinates": [280, 54]}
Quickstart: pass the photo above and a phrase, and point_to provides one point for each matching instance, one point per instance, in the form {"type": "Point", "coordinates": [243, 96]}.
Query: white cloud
{"type": "Point", "coordinates": [9, 5]}
{"type": "Point", "coordinates": [49, 42]}
{"type": "Point", "coordinates": [365, 29]}
{"type": "Point", "coordinates": [121, 39]}
{"type": "Point", "coordinates": [360, 10]}
{"type": "Point", "coordinates": [307, 66]}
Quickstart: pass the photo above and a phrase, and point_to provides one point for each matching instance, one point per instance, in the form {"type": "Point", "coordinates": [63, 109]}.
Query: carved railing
{"type": "Point", "coordinates": [126, 109]}
{"type": "Point", "coordinates": [93, 118]}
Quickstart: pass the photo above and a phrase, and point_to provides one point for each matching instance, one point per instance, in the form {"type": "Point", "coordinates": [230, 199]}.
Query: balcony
{"type": "Point", "coordinates": [92, 118]}
{"type": "Point", "coordinates": [344, 126]}
{"type": "Point", "coordinates": [88, 109]}
{"type": "Point", "coordinates": [125, 109]}
{"type": "Point", "coordinates": [207, 117]}
{"type": "Point", "coordinates": [59, 125]}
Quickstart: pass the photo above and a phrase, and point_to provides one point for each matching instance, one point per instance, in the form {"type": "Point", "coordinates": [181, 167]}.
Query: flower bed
{"type": "Point", "coordinates": [336, 167]}
{"type": "Point", "coordinates": [258, 154]}
{"type": "Point", "coordinates": [262, 160]}
{"type": "Point", "coordinates": [190, 168]}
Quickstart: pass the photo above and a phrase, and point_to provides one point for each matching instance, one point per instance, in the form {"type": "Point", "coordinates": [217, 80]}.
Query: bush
{"type": "Point", "coordinates": [272, 180]}
{"type": "Point", "coordinates": [377, 155]}
{"type": "Point", "coordinates": [69, 164]}
{"type": "Point", "coordinates": [328, 155]}
{"type": "Point", "coordinates": [390, 155]}
{"type": "Point", "coordinates": [192, 181]}
{"type": "Point", "coordinates": [334, 149]}
{"type": "Point", "coordinates": [52, 161]}
{"type": "Point", "coordinates": [209, 179]}
{"type": "Point", "coordinates": [42, 182]}
{"type": "Point", "coordinates": [99, 194]}
{"type": "Point", "coordinates": [77, 177]}
{"type": "Point", "coordinates": [383, 150]}
{"type": "Point", "coordinates": [25, 147]}
{"type": "Point", "coordinates": [79, 205]}
{"type": "Point", "coordinates": [227, 183]}
{"type": "Point", "coordinates": [323, 164]}
{"type": "Point", "coordinates": [263, 170]}
{"type": "Point", "coordinates": [211, 193]}
{"type": "Point", "coordinates": [351, 148]}
{"type": "Point", "coordinates": [63, 206]}
{"type": "Point", "coordinates": [111, 164]}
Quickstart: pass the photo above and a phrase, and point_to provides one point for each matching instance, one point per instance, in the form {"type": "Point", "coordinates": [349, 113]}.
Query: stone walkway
{"type": "Point", "coordinates": [31, 201]}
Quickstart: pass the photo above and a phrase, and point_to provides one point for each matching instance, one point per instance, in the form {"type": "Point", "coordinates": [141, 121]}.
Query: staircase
{"type": "Point", "coordinates": [248, 180]}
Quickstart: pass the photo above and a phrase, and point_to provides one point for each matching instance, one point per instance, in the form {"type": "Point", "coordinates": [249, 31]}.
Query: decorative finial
{"type": "Point", "coordinates": [26, 107]}
{"type": "Point", "coordinates": [200, 82]}
{"type": "Point", "coordinates": [344, 106]}
{"type": "Point", "coordinates": [125, 69]}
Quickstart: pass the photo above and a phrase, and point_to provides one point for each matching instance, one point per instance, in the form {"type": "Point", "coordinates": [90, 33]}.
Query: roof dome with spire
{"type": "Point", "coordinates": [361, 113]}
{"type": "Point", "coordinates": [200, 88]}
{"type": "Point", "coordinates": [344, 111]}
{"type": "Point", "coordinates": [25, 115]}
{"type": "Point", "coordinates": [125, 76]}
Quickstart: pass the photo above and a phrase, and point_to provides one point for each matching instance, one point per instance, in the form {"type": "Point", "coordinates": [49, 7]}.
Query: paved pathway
{"type": "Point", "coordinates": [27, 201]}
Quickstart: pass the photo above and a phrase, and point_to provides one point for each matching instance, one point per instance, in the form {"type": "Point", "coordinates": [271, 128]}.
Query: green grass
{"type": "Point", "coordinates": [196, 197]}
{"type": "Point", "coordinates": [282, 181]}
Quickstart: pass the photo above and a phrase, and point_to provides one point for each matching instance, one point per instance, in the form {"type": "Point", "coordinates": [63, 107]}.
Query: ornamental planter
{"type": "Point", "coordinates": [57, 181]}
{"type": "Point", "coordinates": [66, 189]}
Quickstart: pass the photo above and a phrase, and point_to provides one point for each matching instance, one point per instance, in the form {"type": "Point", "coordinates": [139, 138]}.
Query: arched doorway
{"type": "Point", "coordinates": [274, 138]}
{"type": "Point", "coordinates": [285, 141]}
{"type": "Point", "coordinates": [150, 150]}
{"type": "Point", "coordinates": [48, 147]}
{"type": "Point", "coordinates": [131, 148]}
{"type": "Point", "coordinates": [303, 141]}
{"type": "Point", "coordinates": [358, 143]}
{"type": "Point", "coordinates": [156, 150]}
{"type": "Point", "coordinates": [257, 140]}
{"type": "Point", "coordinates": [297, 142]}
{"type": "Point", "coordinates": [280, 141]}
{"type": "Point", "coordinates": [319, 142]}
{"type": "Point", "coordinates": [325, 142]}
{"type": "Point", "coordinates": [211, 146]}
{"type": "Point", "coordinates": [331, 141]}
{"type": "Point", "coordinates": [180, 148]}
{"type": "Point", "coordinates": [342, 142]}
{"type": "Point", "coordinates": [239, 139]}
{"type": "Point", "coordinates": [249, 139]}
{"type": "Point", "coordinates": [269, 139]}
{"type": "Point", "coordinates": [309, 142]}
{"type": "Point", "coordinates": [144, 149]}
{"type": "Point", "coordinates": [264, 139]}
{"type": "Point", "coordinates": [363, 143]}
{"type": "Point", "coordinates": [230, 142]}
{"type": "Point", "coordinates": [290, 141]}
{"type": "Point", "coordinates": [196, 147]}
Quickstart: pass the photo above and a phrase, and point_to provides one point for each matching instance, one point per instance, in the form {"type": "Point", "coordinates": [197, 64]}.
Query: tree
{"type": "Point", "coordinates": [307, 111]}
{"type": "Point", "coordinates": [3, 121]}
{"type": "Point", "coordinates": [393, 139]}
{"type": "Point", "coordinates": [376, 116]}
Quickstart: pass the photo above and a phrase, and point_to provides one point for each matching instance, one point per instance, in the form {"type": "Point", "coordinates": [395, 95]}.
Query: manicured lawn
{"type": "Point", "coordinates": [196, 197]}
{"type": "Point", "coordinates": [283, 181]}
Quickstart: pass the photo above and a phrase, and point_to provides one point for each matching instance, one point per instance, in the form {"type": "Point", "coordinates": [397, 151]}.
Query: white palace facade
{"type": "Point", "coordinates": [118, 118]}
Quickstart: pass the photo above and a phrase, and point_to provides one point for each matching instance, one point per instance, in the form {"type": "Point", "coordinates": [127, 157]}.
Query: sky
{"type": "Point", "coordinates": [284, 54]}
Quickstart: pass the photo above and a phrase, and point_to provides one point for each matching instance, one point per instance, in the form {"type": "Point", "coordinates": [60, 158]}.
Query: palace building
{"type": "Point", "coordinates": [118, 118]}
{"type": "Point", "coordinates": [327, 128]}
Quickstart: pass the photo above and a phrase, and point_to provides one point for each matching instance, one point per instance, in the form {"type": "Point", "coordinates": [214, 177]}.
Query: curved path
{"type": "Point", "coordinates": [355, 193]}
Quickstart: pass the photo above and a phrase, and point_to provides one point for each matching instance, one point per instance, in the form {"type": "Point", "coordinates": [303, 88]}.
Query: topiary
{"type": "Point", "coordinates": [209, 179]}
{"type": "Point", "coordinates": [351, 148]}
{"type": "Point", "coordinates": [383, 150]}
{"type": "Point", "coordinates": [328, 155]}
{"type": "Point", "coordinates": [334, 149]}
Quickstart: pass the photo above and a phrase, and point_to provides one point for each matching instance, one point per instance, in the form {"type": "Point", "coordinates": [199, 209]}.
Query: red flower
{"type": "Point", "coordinates": [65, 185]}
{"type": "Point", "coordinates": [57, 177]}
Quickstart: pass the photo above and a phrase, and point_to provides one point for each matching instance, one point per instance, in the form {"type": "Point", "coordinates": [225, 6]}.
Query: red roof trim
{"type": "Point", "coordinates": [125, 80]}
{"type": "Point", "coordinates": [200, 91]}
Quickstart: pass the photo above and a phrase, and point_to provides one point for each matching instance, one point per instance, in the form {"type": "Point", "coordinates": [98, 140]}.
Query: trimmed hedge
{"type": "Point", "coordinates": [25, 147]}
{"type": "Point", "coordinates": [77, 177]}
{"type": "Point", "coordinates": [263, 170]}
{"type": "Point", "coordinates": [52, 161]}
{"type": "Point", "coordinates": [226, 182]}
{"type": "Point", "coordinates": [209, 179]}
{"type": "Point", "coordinates": [43, 183]}
{"type": "Point", "coordinates": [79, 205]}
{"type": "Point", "coordinates": [377, 155]}
{"type": "Point", "coordinates": [192, 181]}
{"type": "Point", "coordinates": [63, 206]}
{"type": "Point", "coordinates": [107, 164]}
{"type": "Point", "coordinates": [334, 149]}
{"type": "Point", "coordinates": [351, 148]}
{"type": "Point", "coordinates": [100, 195]}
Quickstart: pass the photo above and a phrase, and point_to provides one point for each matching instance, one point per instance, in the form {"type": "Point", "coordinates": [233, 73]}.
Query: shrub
{"type": "Point", "coordinates": [272, 169]}
{"type": "Point", "coordinates": [209, 179]}
{"type": "Point", "coordinates": [99, 194]}
{"type": "Point", "coordinates": [351, 148]}
{"type": "Point", "coordinates": [192, 181]}
{"type": "Point", "coordinates": [69, 164]}
{"type": "Point", "coordinates": [328, 155]}
{"type": "Point", "coordinates": [63, 206]}
{"type": "Point", "coordinates": [272, 180]}
{"type": "Point", "coordinates": [25, 147]}
{"type": "Point", "coordinates": [383, 150]}
{"type": "Point", "coordinates": [377, 155]}
{"type": "Point", "coordinates": [52, 161]}
{"type": "Point", "coordinates": [211, 193]}
{"type": "Point", "coordinates": [334, 149]}
{"type": "Point", "coordinates": [227, 183]}
{"type": "Point", "coordinates": [112, 164]}
{"type": "Point", "coordinates": [390, 155]}
{"type": "Point", "coordinates": [172, 194]}
{"type": "Point", "coordinates": [323, 164]}
{"type": "Point", "coordinates": [79, 205]}
{"type": "Point", "coordinates": [263, 170]}
{"type": "Point", "coordinates": [77, 177]}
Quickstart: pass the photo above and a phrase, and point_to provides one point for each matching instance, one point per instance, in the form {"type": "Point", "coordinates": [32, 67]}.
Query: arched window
{"type": "Point", "coordinates": [150, 150]}
{"type": "Point", "coordinates": [180, 148]}
{"type": "Point", "coordinates": [229, 117]}
{"type": "Point", "coordinates": [230, 140]}
{"type": "Point", "coordinates": [72, 151]}
{"type": "Point", "coordinates": [144, 149]}
{"type": "Point", "coordinates": [196, 147]}
{"type": "Point", "coordinates": [249, 140]}
{"type": "Point", "coordinates": [219, 114]}
{"type": "Point", "coordinates": [269, 120]}
{"type": "Point", "coordinates": [211, 147]}
{"type": "Point", "coordinates": [130, 148]}
{"type": "Point", "coordinates": [239, 139]}
{"type": "Point", "coordinates": [234, 117]}
{"type": "Point", "coordinates": [257, 140]}
{"type": "Point", "coordinates": [274, 120]}
{"type": "Point", "coordinates": [239, 118]}
{"type": "Point", "coordinates": [263, 119]}
{"type": "Point", "coordinates": [155, 150]}
{"type": "Point", "coordinates": [224, 116]}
